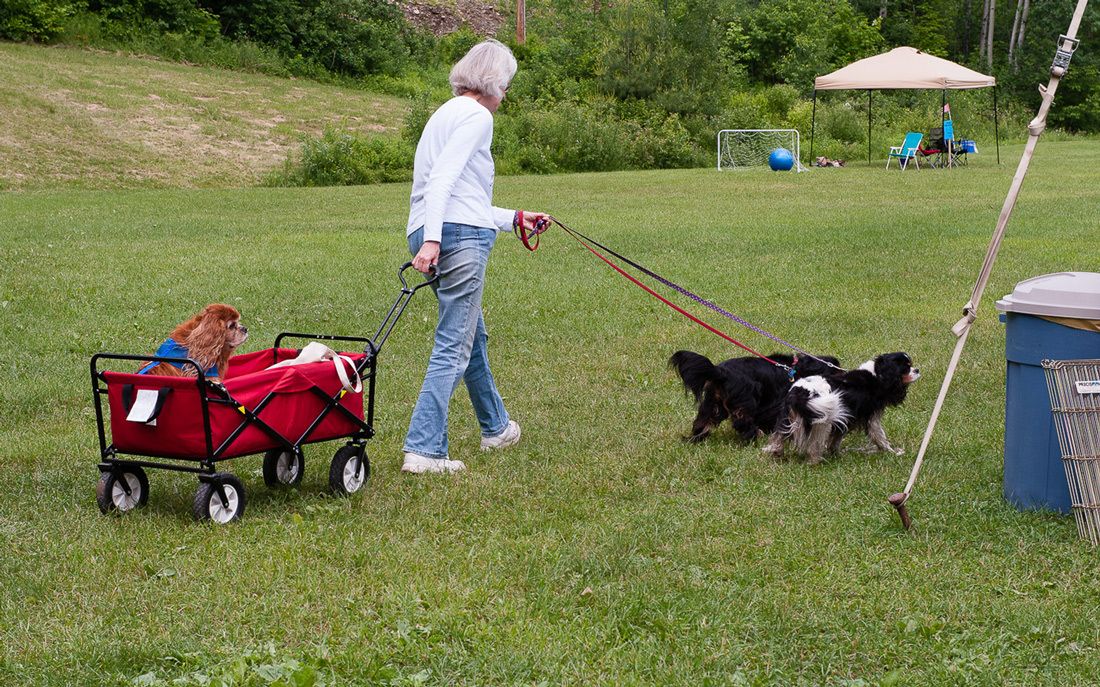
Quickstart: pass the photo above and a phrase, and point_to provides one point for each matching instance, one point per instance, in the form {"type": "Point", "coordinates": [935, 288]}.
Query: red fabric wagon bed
{"type": "Point", "coordinates": [287, 399]}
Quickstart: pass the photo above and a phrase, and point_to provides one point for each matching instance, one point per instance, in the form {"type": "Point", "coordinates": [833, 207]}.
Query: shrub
{"type": "Point", "coordinates": [421, 109]}
{"type": "Point", "coordinates": [592, 137]}
{"type": "Point", "coordinates": [144, 17]}
{"type": "Point", "coordinates": [347, 37]}
{"type": "Point", "coordinates": [766, 108]}
{"type": "Point", "coordinates": [843, 123]}
{"type": "Point", "coordinates": [34, 20]}
{"type": "Point", "coordinates": [342, 159]}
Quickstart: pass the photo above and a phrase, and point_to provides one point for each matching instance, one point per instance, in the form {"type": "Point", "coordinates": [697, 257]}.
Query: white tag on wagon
{"type": "Point", "coordinates": [145, 405]}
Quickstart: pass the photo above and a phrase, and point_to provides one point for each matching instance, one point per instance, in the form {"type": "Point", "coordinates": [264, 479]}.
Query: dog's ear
{"type": "Point", "coordinates": [206, 341]}
{"type": "Point", "coordinates": [184, 329]}
{"type": "Point", "coordinates": [889, 369]}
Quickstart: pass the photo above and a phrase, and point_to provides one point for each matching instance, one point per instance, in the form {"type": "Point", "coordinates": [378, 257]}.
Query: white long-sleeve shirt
{"type": "Point", "coordinates": [453, 171]}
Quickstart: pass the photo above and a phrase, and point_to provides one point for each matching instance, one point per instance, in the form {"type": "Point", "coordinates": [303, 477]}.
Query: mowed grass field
{"type": "Point", "coordinates": [82, 119]}
{"type": "Point", "coordinates": [601, 549]}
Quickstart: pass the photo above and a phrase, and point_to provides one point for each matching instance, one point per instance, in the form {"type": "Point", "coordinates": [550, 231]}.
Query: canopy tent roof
{"type": "Point", "coordinates": [903, 67]}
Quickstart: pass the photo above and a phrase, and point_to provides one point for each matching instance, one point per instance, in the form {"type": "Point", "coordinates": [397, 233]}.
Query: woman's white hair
{"type": "Point", "coordinates": [486, 70]}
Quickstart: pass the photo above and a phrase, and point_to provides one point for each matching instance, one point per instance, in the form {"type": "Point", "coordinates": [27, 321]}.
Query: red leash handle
{"type": "Point", "coordinates": [521, 231]}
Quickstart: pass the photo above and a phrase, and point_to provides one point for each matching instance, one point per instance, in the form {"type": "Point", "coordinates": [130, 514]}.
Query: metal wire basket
{"type": "Point", "coordinates": [1074, 387]}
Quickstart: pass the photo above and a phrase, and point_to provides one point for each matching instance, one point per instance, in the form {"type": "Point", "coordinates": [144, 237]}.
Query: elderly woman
{"type": "Point", "coordinates": [452, 227]}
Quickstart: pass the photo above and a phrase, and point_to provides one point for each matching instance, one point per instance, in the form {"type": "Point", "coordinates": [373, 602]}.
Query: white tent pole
{"type": "Point", "coordinates": [1066, 45]}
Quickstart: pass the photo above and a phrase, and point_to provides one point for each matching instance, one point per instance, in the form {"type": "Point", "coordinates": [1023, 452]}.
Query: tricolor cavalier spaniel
{"type": "Point", "coordinates": [819, 410]}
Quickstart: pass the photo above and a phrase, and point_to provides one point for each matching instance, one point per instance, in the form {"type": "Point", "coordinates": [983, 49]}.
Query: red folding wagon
{"type": "Point", "coordinates": [191, 424]}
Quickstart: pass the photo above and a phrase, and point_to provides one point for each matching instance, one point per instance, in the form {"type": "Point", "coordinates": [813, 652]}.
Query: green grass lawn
{"type": "Point", "coordinates": [601, 549]}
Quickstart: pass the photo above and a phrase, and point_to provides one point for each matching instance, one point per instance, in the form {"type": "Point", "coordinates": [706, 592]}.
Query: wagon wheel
{"type": "Point", "coordinates": [122, 490]}
{"type": "Point", "coordinates": [349, 471]}
{"type": "Point", "coordinates": [210, 505]}
{"type": "Point", "coordinates": [284, 467]}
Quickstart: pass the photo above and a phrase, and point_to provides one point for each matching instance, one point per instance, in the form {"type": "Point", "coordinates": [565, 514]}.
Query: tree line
{"type": "Point", "coordinates": [620, 84]}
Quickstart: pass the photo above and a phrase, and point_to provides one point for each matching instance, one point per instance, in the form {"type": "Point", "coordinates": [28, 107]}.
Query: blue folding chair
{"type": "Point", "coordinates": [906, 151]}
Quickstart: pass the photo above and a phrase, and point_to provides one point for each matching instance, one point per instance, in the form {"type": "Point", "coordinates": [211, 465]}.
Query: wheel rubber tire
{"type": "Point", "coordinates": [111, 496]}
{"type": "Point", "coordinates": [283, 467]}
{"type": "Point", "coordinates": [345, 476]}
{"type": "Point", "coordinates": [208, 504]}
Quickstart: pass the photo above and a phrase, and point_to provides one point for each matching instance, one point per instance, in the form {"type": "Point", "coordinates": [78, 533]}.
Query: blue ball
{"type": "Point", "coordinates": [781, 160]}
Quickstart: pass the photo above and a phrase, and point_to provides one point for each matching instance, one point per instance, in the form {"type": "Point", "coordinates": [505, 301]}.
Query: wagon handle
{"type": "Point", "coordinates": [405, 285]}
{"type": "Point", "coordinates": [398, 307]}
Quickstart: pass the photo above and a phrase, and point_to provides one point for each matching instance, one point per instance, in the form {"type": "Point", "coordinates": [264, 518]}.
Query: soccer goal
{"type": "Point", "coordinates": [749, 148]}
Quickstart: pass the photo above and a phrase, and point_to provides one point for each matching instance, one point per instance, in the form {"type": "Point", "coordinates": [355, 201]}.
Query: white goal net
{"type": "Point", "coordinates": [750, 148]}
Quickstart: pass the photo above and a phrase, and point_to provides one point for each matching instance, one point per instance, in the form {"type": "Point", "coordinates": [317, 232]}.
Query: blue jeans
{"type": "Point", "coordinates": [460, 350]}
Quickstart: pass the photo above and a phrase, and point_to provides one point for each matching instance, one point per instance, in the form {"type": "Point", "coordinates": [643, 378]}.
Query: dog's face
{"type": "Point", "coordinates": [215, 332]}
{"type": "Point", "coordinates": [895, 368]}
{"type": "Point", "coordinates": [222, 323]}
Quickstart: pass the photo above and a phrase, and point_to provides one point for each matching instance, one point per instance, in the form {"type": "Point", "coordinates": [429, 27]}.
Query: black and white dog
{"type": "Point", "coordinates": [818, 411]}
{"type": "Point", "coordinates": [749, 391]}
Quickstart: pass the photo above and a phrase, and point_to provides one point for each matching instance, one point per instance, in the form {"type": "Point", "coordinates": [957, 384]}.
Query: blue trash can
{"type": "Point", "coordinates": [1055, 316]}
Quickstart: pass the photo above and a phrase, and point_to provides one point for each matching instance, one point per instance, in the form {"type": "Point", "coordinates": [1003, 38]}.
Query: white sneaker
{"type": "Point", "coordinates": [418, 464]}
{"type": "Point", "coordinates": [509, 437]}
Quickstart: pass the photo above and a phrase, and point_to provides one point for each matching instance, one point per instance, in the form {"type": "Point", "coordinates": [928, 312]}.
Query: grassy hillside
{"type": "Point", "coordinates": [601, 550]}
{"type": "Point", "coordinates": [84, 119]}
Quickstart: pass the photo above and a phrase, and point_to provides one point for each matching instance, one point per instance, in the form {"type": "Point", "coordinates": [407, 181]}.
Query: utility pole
{"type": "Point", "coordinates": [521, 22]}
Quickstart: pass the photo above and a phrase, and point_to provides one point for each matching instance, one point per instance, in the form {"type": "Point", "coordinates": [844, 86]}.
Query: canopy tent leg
{"type": "Point", "coordinates": [996, 125]}
{"type": "Point", "coordinates": [813, 123]}
{"type": "Point", "coordinates": [868, 126]}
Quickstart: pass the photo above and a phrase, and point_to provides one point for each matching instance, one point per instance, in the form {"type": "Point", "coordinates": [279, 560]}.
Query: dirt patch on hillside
{"type": "Point", "coordinates": [483, 19]}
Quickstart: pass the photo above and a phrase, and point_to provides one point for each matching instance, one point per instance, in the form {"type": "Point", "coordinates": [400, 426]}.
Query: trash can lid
{"type": "Point", "coordinates": [1062, 294]}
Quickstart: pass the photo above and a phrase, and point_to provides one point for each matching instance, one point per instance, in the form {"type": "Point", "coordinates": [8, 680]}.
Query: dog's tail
{"type": "Point", "coordinates": [695, 371]}
{"type": "Point", "coordinates": [817, 403]}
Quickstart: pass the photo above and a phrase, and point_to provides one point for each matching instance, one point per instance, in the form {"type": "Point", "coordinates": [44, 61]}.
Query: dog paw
{"type": "Point", "coordinates": [899, 451]}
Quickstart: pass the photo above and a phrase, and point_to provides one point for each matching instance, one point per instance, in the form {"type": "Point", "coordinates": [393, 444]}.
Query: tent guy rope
{"type": "Point", "coordinates": [1067, 44]}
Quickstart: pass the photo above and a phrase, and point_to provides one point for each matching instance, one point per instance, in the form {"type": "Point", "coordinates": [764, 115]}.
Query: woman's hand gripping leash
{"type": "Point", "coordinates": [530, 225]}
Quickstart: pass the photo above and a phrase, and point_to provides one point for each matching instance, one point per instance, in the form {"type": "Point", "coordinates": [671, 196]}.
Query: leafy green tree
{"type": "Point", "coordinates": [1077, 102]}
{"type": "Point", "coordinates": [352, 37]}
{"type": "Point", "coordinates": [791, 41]}
{"type": "Point", "coordinates": [667, 52]}
{"type": "Point", "coordinates": [923, 24]}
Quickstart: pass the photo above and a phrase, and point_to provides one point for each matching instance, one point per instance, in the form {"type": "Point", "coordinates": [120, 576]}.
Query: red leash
{"type": "Point", "coordinates": [667, 302]}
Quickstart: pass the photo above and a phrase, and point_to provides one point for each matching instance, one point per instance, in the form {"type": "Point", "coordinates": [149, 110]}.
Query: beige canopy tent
{"type": "Point", "coordinates": [903, 67]}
